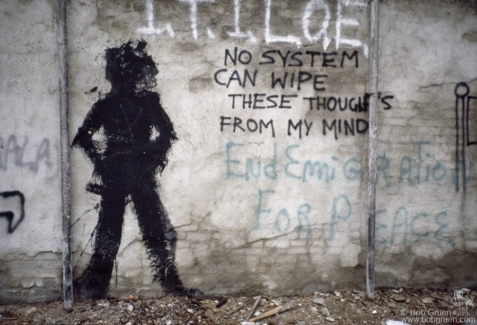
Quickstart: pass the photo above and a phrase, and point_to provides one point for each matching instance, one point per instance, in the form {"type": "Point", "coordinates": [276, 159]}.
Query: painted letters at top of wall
{"type": "Point", "coordinates": [313, 27]}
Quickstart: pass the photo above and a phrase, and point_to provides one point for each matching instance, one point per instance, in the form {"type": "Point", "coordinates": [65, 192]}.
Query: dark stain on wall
{"type": "Point", "coordinates": [133, 137]}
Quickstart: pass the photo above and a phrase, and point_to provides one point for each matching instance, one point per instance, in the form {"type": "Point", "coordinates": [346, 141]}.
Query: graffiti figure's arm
{"type": "Point", "coordinates": [84, 138]}
{"type": "Point", "coordinates": [163, 124]}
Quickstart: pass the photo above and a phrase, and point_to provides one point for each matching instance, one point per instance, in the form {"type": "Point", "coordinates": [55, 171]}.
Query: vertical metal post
{"type": "Point", "coordinates": [372, 149]}
{"type": "Point", "coordinates": [65, 156]}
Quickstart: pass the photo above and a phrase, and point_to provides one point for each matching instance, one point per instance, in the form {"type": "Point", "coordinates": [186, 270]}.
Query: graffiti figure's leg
{"type": "Point", "coordinates": [158, 234]}
{"type": "Point", "coordinates": [94, 282]}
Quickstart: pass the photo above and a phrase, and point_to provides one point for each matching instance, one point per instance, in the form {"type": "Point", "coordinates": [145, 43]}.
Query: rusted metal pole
{"type": "Point", "coordinates": [372, 148]}
{"type": "Point", "coordinates": [65, 157]}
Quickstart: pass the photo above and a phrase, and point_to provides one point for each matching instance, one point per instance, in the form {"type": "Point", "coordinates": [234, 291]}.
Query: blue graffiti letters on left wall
{"type": "Point", "coordinates": [13, 151]}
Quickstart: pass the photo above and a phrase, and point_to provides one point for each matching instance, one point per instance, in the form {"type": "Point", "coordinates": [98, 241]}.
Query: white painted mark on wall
{"type": "Point", "coordinates": [340, 21]}
{"type": "Point", "coordinates": [237, 33]}
{"type": "Point", "coordinates": [323, 32]}
{"type": "Point", "coordinates": [150, 29]}
{"type": "Point", "coordinates": [193, 14]}
{"type": "Point", "coordinates": [210, 33]}
{"type": "Point", "coordinates": [269, 38]}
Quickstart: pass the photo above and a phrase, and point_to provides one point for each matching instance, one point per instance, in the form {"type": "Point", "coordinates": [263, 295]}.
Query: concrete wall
{"type": "Point", "coordinates": [30, 253]}
{"type": "Point", "coordinates": [266, 184]}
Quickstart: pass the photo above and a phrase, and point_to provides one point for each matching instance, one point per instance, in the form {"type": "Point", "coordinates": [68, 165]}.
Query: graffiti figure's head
{"type": "Point", "coordinates": [130, 69]}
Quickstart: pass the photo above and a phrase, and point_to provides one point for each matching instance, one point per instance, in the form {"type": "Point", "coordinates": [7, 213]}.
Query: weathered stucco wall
{"type": "Point", "coordinates": [428, 226]}
{"type": "Point", "coordinates": [30, 253]}
{"type": "Point", "coordinates": [266, 182]}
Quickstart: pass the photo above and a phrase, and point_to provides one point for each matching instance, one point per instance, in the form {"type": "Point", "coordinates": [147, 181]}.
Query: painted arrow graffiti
{"type": "Point", "coordinates": [13, 219]}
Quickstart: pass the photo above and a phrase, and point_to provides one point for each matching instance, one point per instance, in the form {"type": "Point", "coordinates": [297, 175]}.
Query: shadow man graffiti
{"type": "Point", "coordinates": [127, 136]}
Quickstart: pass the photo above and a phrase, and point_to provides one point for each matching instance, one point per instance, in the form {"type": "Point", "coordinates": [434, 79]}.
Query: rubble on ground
{"type": "Point", "coordinates": [390, 306]}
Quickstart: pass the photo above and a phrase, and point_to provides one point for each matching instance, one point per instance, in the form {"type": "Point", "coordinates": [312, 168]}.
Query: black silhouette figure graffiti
{"type": "Point", "coordinates": [13, 220]}
{"type": "Point", "coordinates": [135, 135]}
{"type": "Point", "coordinates": [463, 130]}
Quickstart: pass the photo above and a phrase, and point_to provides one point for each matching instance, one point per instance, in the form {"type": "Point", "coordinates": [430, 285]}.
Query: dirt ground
{"type": "Point", "coordinates": [390, 306]}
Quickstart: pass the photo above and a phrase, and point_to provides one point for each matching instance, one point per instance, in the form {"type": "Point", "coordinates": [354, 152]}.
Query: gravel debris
{"type": "Point", "coordinates": [337, 307]}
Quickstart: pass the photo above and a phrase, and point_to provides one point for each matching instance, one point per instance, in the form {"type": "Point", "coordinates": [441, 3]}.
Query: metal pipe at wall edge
{"type": "Point", "coordinates": [372, 147]}
{"type": "Point", "coordinates": [65, 155]}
